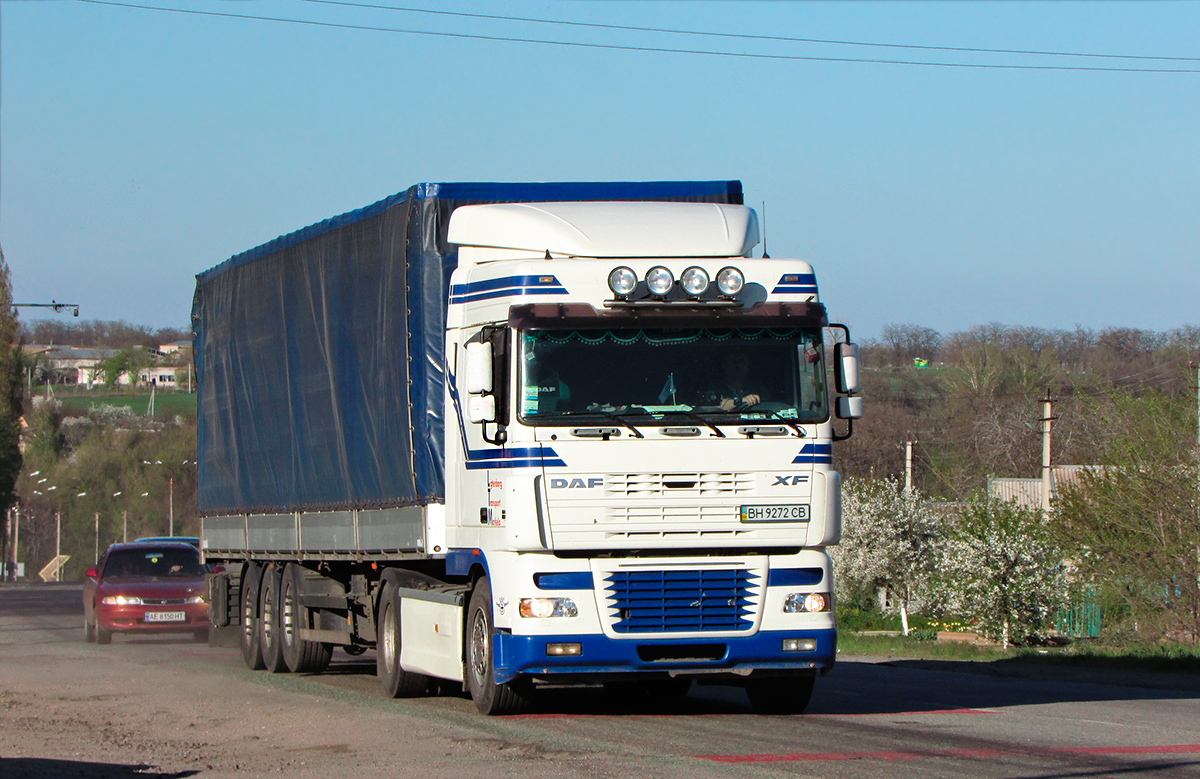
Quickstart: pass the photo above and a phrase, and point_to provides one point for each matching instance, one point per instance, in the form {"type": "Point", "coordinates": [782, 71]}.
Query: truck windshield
{"type": "Point", "coordinates": [727, 375]}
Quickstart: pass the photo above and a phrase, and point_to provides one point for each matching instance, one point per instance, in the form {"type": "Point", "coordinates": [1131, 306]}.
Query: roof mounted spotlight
{"type": "Point", "coordinates": [659, 280]}
{"type": "Point", "coordinates": [622, 281]}
{"type": "Point", "coordinates": [730, 281]}
{"type": "Point", "coordinates": [694, 281]}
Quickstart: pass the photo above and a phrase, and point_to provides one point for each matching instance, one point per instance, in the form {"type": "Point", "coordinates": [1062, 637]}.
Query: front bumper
{"type": "Point", "coordinates": [132, 619]}
{"type": "Point", "coordinates": [760, 654]}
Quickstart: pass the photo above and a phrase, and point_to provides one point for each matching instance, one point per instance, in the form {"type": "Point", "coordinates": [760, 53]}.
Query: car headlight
{"type": "Point", "coordinates": [195, 599]}
{"type": "Point", "coordinates": [806, 602]}
{"type": "Point", "coordinates": [122, 600]}
{"type": "Point", "coordinates": [545, 608]}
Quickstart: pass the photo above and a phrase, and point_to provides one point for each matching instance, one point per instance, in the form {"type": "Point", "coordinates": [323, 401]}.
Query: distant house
{"type": "Point", "coordinates": [84, 365]}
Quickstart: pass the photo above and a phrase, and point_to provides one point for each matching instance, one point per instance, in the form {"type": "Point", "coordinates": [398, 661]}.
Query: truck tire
{"type": "Point", "coordinates": [248, 613]}
{"type": "Point", "coordinates": [300, 654]}
{"type": "Point", "coordinates": [397, 683]}
{"type": "Point", "coordinates": [478, 651]}
{"type": "Point", "coordinates": [789, 695]}
{"type": "Point", "coordinates": [269, 623]}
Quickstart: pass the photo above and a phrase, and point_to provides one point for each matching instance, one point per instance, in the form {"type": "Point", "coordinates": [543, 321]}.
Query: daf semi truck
{"type": "Point", "coordinates": [510, 435]}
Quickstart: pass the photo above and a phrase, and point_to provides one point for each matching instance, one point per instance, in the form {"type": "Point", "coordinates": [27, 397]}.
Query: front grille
{"type": "Point", "coordinates": [680, 601]}
{"type": "Point", "coordinates": [635, 485]}
{"type": "Point", "coordinates": [164, 601]}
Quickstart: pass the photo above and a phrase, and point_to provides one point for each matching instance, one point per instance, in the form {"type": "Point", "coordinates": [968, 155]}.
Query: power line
{"type": "Point", "coordinates": [646, 49]}
{"type": "Point", "coordinates": [746, 36]}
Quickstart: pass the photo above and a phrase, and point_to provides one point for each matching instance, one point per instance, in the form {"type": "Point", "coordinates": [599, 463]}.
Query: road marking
{"type": "Point", "coordinates": [1166, 749]}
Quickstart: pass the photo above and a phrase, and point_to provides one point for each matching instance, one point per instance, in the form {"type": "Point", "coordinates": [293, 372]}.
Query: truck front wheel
{"type": "Point", "coordinates": [490, 698]}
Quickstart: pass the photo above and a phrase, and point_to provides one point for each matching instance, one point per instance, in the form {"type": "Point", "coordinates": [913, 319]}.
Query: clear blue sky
{"type": "Point", "coordinates": [138, 147]}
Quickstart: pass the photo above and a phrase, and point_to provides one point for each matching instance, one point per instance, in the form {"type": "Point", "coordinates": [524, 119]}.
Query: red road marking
{"type": "Point", "coordinates": [1166, 749]}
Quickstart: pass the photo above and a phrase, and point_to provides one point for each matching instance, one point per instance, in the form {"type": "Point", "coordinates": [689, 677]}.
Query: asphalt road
{"type": "Point", "coordinates": [167, 707]}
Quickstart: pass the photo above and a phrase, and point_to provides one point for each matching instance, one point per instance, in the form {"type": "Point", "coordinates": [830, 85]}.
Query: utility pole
{"type": "Point", "coordinates": [1047, 407]}
{"type": "Point", "coordinates": [171, 509]}
{"type": "Point", "coordinates": [908, 466]}
{"type": "Point", "coordinates": [58, 543]}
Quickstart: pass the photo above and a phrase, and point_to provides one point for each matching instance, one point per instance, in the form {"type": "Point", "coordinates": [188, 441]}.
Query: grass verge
{"type": "Point", "coordinates": [1170, 658]}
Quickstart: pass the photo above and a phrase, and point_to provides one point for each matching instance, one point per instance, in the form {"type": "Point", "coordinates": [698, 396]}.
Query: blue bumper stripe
{"type": "Point", "coordinates": [526, 655]}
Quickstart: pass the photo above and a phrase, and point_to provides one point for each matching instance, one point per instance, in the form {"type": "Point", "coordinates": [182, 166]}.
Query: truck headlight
{"type": "Point", "coordinates": [694, 281]}
{"type": "Point", "coordinates": [730, 281]}
{"type": "Point", "coordinates": [545, 608]}
{"type": "Point", "coordinates": [806, 602]}
{"type": "Point", "coordinates": [659, 280]}
{"type": "Point", "coordinates": [622, 281]}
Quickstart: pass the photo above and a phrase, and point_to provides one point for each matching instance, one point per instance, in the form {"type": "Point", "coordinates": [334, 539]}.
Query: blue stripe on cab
{"type": "Point", "coordinates": [517, 457]}
{"type": "Point", "coordinates": [796, 284]}
{"type": "Point", "coordinates": [815, 454]}
{"type": "Point", "coordinates": [508, 286]}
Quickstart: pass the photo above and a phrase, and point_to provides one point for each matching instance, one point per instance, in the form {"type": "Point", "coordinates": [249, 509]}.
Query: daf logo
{"type": "Point", "coordinates": [787, 480]}
{"type": "Point", "coordinates": [575, 484]}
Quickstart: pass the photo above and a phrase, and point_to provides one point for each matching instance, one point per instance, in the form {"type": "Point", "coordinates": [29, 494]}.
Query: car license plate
{"type": "Point", "coordinates": [165, 616]}
{"type": "Point", "coordinates": [793, 513]}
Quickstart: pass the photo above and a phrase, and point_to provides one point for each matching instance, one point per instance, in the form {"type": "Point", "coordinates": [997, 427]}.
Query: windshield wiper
{"type": "Point", "coordinates": [614, 416]}
{"type": "Point", "coordinates": [699, 418]}
{"type": "Point", "coordinates": [790, 423]}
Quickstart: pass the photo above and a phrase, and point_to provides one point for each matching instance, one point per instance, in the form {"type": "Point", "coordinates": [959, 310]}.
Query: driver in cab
{"type": "Point", "coordinates": [733, 390]}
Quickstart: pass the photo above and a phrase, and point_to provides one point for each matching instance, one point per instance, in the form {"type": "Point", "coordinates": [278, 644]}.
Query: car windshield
{"type": "Point", "coordinates": [156, 563]}
{"type": "Point", "coordinates": [658, 376]}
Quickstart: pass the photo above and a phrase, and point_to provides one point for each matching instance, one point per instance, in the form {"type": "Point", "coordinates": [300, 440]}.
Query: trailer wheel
{"type": "Point", "coordinates": [789, 695]}
{"type": "Point", "coordinates": [397, 683]}
{"type": "Point", "coordinates": [300, 654]}
{"type": "Point", "coordinates": [490, 698]}
{"type": "Point", "coordinates": [269, 623]}
{"type": "Point", "coordinates": [251, 647]}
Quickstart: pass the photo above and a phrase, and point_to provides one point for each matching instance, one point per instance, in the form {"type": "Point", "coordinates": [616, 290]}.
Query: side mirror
{"type": "Point", "coordinates": [845, 369]}
{"type": "Point", "coordinates": [479, 369]}
{"type": "Point", "coordinates": [481, 408]}
{"type": "Point", "coordinates": [92, 573]}
{"type": "Point", "coordinates": [849, 407]}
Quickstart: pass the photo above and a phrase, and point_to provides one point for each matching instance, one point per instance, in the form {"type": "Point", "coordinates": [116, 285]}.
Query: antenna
{"type": "Point", "coordinates": [764, 223]}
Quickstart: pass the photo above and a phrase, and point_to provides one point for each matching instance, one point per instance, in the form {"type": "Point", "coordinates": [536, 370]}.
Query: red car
{"type": "Point", "coordinates": [146, 587]}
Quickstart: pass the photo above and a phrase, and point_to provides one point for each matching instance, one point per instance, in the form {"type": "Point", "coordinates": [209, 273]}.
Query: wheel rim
{"type": "Point", "coordinates": [388, 645]}
{"type": "Point", "coordinates": [289, 629]}
{"type": "Point", "coordinates": [248, 619]}
{"type": "Point", "coordinates": [479, 647]}
{"type": "Point", "coordinates": [268, 615]}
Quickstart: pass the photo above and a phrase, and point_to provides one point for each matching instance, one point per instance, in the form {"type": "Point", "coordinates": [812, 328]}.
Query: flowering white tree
{"type": "Point", "coordinates": [889, 540]}
{"type": "Point", "coordinates": [1002, 567]}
